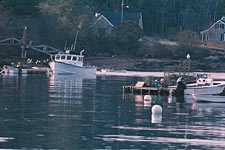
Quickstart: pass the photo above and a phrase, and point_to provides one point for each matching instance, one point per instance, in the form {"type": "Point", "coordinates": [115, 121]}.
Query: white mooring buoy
{"type": "Point", "coordinates": [147, 98]}
{"type": "Point", "coordinates": [156, 109]}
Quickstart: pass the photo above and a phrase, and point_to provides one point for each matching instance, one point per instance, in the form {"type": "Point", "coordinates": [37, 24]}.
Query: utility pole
{"type": "Point", "coordinates": [122, 5]}
{"type": "Point", "coordinates": [24, 42]}
{"type": "Point", "coordinates": [23, 47]}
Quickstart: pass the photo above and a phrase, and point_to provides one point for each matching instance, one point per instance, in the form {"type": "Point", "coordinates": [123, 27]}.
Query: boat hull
{"type": "Point", "coordinates": [205, 90]}
{"type": "Point", "coordinates": [201, 90]}
{"type": "Point", "coordinates": [12, 70]}
{"type": "Point", "coordinates": [62, 68]}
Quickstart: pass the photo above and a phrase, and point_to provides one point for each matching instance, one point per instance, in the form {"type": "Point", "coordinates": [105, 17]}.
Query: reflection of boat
{"type": "Point", "coordinates": [201, 87]}
{"type": "Point", "coordinates": [71, 64]}
{"type": "Point", "coordinates": [209, 98]}
{"type": "Point", "coordinates": [208, 108]}
{"type": "Point", "coordinates": [68, 86]}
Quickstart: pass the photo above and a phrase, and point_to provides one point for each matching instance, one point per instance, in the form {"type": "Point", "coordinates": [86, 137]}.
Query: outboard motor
{"type": "Point", "coordinates": [181, 86]}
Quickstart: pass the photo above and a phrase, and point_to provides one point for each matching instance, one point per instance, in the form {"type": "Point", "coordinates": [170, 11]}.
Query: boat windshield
{"type": "Point", "coordinates": [63, 57]}
{"type": "Point", "coordinates": [74, 58]}
{"type": "Point", "coordinates": [57, 57]}
{"type": "Point", "coordinates": [68, 57]}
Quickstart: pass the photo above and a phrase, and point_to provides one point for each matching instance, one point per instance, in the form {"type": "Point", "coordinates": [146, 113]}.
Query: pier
{"type": "Point", "coordinates": [140, 89]}
{"type": "Point", "coordinates": [26, 44]}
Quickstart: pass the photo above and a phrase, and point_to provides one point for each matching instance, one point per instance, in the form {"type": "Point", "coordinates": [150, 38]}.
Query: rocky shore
{"type": "Point", "coordinates": [139, 64]}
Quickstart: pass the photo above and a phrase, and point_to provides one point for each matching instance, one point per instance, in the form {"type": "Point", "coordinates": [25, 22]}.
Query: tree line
{"type": "Point", "coordinates": [56, 21]}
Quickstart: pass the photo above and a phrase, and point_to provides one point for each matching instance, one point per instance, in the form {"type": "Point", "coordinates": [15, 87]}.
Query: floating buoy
{"type": "Point", "coordinates": [147, 98]}
{"type": "Point", "coordinates": [147, 103]}
{"type": "Point", "coordinates": [156, 109]}
{"type": "Point", "coordinates": [170, 99]}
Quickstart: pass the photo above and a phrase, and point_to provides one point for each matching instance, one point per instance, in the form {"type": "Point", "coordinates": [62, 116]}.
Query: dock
{"type": "Point", "coordinates": [141, 89]}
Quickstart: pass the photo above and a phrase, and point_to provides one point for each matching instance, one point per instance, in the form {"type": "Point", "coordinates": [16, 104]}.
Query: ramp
{"type": "Point", "coordinates": [31, 45]}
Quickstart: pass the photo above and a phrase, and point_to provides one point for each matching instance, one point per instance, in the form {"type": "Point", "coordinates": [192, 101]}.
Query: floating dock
{"type": "Point", "coordinates": [140, 89]}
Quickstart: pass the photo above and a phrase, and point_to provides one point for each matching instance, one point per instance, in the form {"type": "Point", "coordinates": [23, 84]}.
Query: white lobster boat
{"type": "Point", "coordinates": [203, 87]}
{"type": "Point", "coordinates": [71, 64]}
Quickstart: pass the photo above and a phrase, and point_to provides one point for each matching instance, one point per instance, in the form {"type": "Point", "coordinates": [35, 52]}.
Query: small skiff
{"type": "Point", "coordinates": [202, 87]}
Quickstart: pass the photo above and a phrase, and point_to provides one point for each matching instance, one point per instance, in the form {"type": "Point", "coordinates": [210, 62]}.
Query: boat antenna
{"type": "Point", "coordinates": [75, 41]}
{"type": "Point", "coordinates": [65, 45]}
{"type": "Point", "coordinates": [71, 47]}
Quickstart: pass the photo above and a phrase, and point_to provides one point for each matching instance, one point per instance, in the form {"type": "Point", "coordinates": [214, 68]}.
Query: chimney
{"type": "Point", "coordinates": [97, 14]}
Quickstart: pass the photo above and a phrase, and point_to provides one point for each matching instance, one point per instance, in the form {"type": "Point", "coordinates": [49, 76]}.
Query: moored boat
{"type": "Point", "coordinates": [11, 70]}
{"type": "Point", "coordinates": [71, 64]}
{"type": "Point", "coordinates": [19, 70]}
{"type": "Point", "coordinates": [201, 87]}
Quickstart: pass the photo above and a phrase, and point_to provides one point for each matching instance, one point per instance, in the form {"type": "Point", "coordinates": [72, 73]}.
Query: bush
{"type": "Point", "coordinates": [127, 35]}
{"type": "Point", "coordinates": [187, 38]}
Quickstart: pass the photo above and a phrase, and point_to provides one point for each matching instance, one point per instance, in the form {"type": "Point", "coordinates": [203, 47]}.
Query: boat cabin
{"type": "Point", "coordinates": [76, 60]}
{"type": "Point", "coordinates": [204, 82]}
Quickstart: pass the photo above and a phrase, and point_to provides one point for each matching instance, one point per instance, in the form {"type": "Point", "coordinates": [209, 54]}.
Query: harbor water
{"type": "Point", "coordinates": [68, 112]}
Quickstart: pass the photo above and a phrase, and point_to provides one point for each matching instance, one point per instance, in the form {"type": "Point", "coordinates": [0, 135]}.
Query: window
{"type": "Point", "coordinates": [68, 57]}
{"type": "Point", "coordinates": [80, 59]}
{"type": "Point", "coordinates": [219, 26]}
{"type": "Point", "coordinates": [74, 58]}
{"type": "Point", "coordinates": [57, 57]}
{"type": "Point", "coordinates": [63, 57]}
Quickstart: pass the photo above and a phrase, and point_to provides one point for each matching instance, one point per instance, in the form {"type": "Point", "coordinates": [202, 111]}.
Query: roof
{"type": "Point", "coordinates": [222, 20]}
{"type": "Point", "coordinates": [115, 17]}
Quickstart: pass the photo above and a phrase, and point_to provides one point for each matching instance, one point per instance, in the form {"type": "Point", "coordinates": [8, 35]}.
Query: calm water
{"type": "Point", "coordinates": [64, 112]}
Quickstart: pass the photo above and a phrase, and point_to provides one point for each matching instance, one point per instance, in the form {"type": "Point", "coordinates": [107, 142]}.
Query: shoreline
{"type": "Point", "coordinates": [214, 75]}
{"type": "Point", "coordinates": [151, 65]}
{"type": "Point", "coordinates": [140, 64]}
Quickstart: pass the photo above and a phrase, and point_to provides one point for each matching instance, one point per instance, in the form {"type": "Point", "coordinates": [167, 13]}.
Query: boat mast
{"type": "Point", "coordinates": [65, 47]}
{"type": "Point", "coordinates": [75, 41]}
{"type": "Point", "coordinates": [24, 46]}
{"type": "Point", "coordinates": [122, 5]}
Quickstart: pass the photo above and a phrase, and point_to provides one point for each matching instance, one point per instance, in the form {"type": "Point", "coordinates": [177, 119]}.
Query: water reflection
{"type": "Point", "coordinates": [62, 112]}
{"type": "Point", "coordinates": [66, 92]}
{"type": "Point", "coordinates": [182, 122]}
{"type": "Point", "coordinates": [156, 118]}
{"type": "Point", "coordinates": [142, 105]}
{"type": "Point", "coordinates": [65, 87]}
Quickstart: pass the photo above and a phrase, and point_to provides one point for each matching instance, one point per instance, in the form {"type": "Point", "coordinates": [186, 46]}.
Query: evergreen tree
{"type": "Point", "coordinates": [127, 35]}
{"type": "Point", "coordinates": [22, 7]}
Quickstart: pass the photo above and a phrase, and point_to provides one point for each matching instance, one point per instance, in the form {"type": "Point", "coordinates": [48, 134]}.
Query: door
{"type": "Point", "coordinates": [222, 36]}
